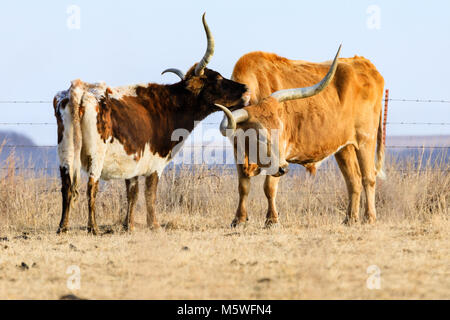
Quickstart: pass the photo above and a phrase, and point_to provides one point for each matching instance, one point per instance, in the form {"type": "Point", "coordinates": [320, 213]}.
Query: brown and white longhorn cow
{"type": "Point", "coordinates": [344, 120]}
{"type": "Point", "coordinates": [126, 132]}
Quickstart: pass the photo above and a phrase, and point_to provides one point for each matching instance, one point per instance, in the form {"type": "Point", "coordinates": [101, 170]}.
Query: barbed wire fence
{"type": "Point", "coordinates": [203, 147]}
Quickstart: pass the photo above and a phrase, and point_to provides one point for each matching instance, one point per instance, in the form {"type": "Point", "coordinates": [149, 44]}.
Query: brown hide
{"type": "Point", "coordinates": [152, 114]}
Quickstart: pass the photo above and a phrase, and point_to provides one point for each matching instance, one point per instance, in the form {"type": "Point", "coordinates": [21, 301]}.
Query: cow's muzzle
{"type": "Point", "coordinates": [244, 101]}
{"type": "Point", "coordinates": [281, 172]}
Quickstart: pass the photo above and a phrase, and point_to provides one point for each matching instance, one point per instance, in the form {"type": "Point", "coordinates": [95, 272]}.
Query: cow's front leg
{"type": "Point", "coordinates": [244, 189]}
{"type": "Point", "coordinates": [92, 194]}
{"type": "Point", "coordinates": [270, 190]}
{"type": "Point", "coordinates": [151, 186]}
{"type": "Point", "coordinates": [67, 198]}
{"type": "Point", "coordinates": [132, 195]}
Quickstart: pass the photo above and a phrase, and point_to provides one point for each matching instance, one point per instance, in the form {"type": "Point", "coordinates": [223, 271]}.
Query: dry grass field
{"type": "Point", "coordinates": [196, 255]}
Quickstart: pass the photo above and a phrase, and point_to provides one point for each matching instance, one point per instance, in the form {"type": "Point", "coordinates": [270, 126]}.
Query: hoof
{"type": "Point", "coordinates": [238, 222]}
{"type": "Point", "coordinates": [128, 228]}
{"type": "Point", "coordinates": [62, 230]}
{"type": "Point", "coordinates": [270, 223]}
{"type": "Point", "coordinates": [350, 221]}
{"type": "Point", "coordinates": [93, 230]}
{"type": "Point", "coordinates": [155, 226]}
{"type": "Point", "coordinates": [369, 220]}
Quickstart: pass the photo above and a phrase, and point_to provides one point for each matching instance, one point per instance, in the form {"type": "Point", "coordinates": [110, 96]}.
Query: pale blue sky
{"type": "Point", "coordinates": [125, 42]}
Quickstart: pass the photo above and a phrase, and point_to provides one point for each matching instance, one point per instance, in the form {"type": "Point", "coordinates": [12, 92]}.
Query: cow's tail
{"type": "Point", "coordinates": [75, 97]}
{"type": "Point", "coordinates": [379, 165]}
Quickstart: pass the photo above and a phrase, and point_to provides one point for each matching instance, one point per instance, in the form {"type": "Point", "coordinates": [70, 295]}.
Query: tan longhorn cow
{"type": "Point", "coordinates": [339, 115]}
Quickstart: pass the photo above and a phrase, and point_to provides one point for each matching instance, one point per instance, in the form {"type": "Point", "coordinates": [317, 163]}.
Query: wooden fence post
{"type": "Point", "coordinates": [386, 101]}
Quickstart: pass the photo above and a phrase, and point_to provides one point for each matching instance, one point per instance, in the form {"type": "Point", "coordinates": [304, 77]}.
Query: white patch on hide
{"type": "Point", "coordinates": [128, 91]}
{"type": "Point", "coordinates": [93, 145]}
{"type": "Point", "coordinates": [119, 165]}
{"type": "Point", "coordinates": [66, 146]}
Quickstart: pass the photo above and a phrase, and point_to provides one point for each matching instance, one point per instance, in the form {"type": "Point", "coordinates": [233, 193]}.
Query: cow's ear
{"type": "Point", "coordinates": [195, 85]}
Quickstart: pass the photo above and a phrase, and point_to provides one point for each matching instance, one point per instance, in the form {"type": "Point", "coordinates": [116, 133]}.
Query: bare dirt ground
{"type": "Point", "coordinates": [297, 262]}
{"type": "Point", "coordinates": [196, 255]}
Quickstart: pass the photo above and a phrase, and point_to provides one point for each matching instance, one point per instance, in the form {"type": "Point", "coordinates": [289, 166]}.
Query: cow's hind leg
{"type": "Point", "coordinates": [270, 190]}
{"type": "Point", "coordinates": [151, 186]}
{"type": "Point", "coordinates": [92, 190]}
{"type": "Point", "coordinates": [132, 195]}
{"type": "Point", "coordinates": [244, 189]}
{"type": "Point", "coordinates": [67, 198]}
{"type": "Point", "coordinates": [366, 158]}
{"type": "Point", "coordinates": [94, 153]}
{"type": "Point", "coordinates": [94, 171]}
{"type": "Point", "coordinates": [348, 163]}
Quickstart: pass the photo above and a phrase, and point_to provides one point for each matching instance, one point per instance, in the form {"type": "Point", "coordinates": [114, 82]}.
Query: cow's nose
{"type": "Point", "coordinates": [282, 171]}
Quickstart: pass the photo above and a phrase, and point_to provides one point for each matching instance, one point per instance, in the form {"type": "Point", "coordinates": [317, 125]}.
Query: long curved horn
{"type": "Point", "coordinates": [176, 71]}
{"type": "Point", "coordinates": [300, 93]}
{"type": "Point", "coordinates": [209, 50]}
{"type": "Point", "coordinates": [231, 119]}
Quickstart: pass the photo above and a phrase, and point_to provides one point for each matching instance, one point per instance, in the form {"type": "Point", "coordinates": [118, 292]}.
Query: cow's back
{"type": "Point", "coordinates": [350, 106]}
{"type": "Point", "coordinates": [265, 73]}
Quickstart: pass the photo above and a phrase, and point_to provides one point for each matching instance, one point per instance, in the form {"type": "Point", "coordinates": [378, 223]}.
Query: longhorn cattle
{"type": "Point", "coordinates": [125, 132]}
{"type": "Point", "coordinates": [344, 120]}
